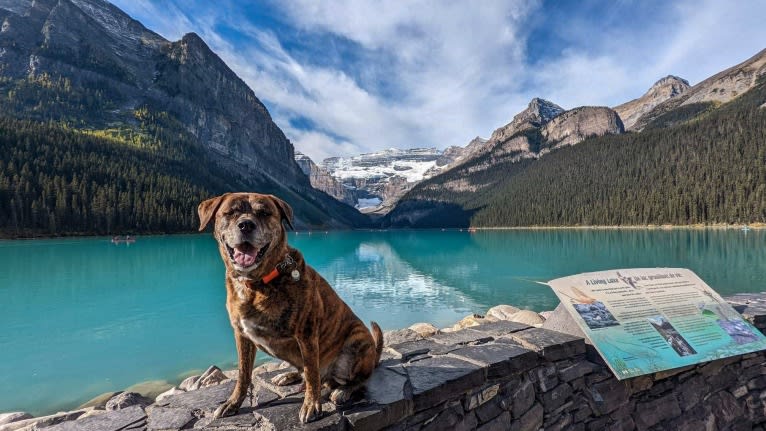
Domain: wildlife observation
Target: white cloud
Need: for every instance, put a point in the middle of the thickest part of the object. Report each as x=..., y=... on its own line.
x=612, y=67
x=712, y=36
x=165, y=18
x=437, y=73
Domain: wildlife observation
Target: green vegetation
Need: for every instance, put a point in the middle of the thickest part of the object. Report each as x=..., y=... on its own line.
x=57, y=181
x=680, y=115
x=74, y=162
x=711, y=169
x=43, y=98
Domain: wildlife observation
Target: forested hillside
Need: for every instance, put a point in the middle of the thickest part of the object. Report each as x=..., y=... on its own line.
x=59, y=181
x=55, y=180
x=704, y=166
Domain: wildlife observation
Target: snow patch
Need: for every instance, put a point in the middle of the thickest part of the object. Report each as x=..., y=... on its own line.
x=411, y=164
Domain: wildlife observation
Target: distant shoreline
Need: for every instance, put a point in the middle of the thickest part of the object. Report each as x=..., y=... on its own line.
x=717, y=226
x=700, y=226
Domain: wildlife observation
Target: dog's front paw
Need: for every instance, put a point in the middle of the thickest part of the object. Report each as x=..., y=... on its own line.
x=229, y=408
x=341, y=396
x=310, y=410
x=286, y=379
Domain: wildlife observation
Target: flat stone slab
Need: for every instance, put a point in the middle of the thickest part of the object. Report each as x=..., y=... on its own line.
x=501, y=327
x=550, y=345
x=164, y=418
x=400, y=336
x=577, y=370
x=264, y=379
x=283, y=415
x=463, y=336
x=439, y=378
x=131, y=417
x=207, y=398
x=410, y=349
x=386, y=401
x=499, y=359
x=386, y=386
x=261, y=397
x=245, y=421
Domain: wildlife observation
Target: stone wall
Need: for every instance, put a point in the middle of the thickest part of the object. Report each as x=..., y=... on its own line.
x=497, y=376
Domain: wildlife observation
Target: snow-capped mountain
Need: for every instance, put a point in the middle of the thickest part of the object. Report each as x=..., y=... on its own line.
x=380, y=178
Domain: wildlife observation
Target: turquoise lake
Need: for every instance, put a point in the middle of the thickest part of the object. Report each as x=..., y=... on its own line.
x=80, y=317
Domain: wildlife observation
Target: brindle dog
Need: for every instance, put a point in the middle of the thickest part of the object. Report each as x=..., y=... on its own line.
x=279, y=304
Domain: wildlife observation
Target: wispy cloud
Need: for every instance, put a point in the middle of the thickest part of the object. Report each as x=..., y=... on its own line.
x=351, y=76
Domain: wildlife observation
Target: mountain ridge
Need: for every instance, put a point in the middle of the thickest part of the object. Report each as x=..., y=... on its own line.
x=719, y=88
x=583, y=181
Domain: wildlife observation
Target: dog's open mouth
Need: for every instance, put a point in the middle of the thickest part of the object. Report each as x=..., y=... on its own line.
x=245, y=254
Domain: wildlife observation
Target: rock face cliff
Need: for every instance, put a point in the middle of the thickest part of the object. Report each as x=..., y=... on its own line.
x=324, y=181
x=91, y=46
x=576, y=125
x=662, y=90
x=92, y=42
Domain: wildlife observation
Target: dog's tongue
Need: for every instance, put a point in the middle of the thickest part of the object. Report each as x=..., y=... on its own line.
x=244, y=255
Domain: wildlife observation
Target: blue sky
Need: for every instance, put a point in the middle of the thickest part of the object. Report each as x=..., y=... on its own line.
x=343, y=77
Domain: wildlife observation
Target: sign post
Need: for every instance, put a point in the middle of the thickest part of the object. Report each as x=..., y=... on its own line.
x=647, y=320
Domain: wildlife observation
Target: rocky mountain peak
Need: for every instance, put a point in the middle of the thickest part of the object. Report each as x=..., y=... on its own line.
x=538, y=112
x=667, y=87
x=476, y=143
x=477, y=140
x=661, y=91
x=193, y=39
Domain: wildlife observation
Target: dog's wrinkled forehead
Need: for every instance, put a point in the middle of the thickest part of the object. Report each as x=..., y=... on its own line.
x=236, y=206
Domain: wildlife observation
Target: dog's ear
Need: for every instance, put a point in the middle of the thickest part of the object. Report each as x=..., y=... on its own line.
x=207, y=209
x=284, y=210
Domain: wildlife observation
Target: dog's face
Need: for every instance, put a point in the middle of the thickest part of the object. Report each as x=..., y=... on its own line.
x=248, y=228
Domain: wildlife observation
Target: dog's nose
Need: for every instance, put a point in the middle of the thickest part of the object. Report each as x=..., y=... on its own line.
x=246, y=226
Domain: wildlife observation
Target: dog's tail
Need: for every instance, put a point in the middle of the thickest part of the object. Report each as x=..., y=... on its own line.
x=377, y=337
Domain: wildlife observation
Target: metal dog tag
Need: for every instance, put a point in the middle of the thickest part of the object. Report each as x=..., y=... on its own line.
x=296, y=275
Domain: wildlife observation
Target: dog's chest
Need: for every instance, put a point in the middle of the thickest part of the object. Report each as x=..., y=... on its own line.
x=264, y=337
x=255, y=332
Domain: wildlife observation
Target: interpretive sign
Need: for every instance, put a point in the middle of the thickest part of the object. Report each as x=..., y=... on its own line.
x=643, y=321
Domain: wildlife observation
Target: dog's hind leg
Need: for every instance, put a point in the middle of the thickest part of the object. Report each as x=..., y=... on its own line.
x=286, y=379
x=356, y=363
